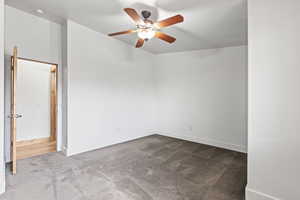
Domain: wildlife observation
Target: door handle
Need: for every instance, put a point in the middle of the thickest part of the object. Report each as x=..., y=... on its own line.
x=15, y=116
x=18, y=116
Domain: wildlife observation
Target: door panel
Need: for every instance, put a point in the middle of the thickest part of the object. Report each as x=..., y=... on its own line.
x=13, y=116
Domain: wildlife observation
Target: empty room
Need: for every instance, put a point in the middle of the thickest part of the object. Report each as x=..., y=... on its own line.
x=149, y=100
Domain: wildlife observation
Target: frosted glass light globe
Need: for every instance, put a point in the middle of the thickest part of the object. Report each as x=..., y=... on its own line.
x=146, y=34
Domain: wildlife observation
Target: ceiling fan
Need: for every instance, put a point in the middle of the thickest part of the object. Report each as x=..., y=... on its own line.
x=147, y=29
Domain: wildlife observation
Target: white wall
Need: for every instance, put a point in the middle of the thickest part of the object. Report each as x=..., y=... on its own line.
x=2, y=168
x=274, y=100
x=202, y=96
x=38, y=39
x=65, y=87
x=110, y=90
x=34, y=94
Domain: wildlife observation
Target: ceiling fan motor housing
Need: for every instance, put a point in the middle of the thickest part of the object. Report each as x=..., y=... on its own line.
x=146, y=14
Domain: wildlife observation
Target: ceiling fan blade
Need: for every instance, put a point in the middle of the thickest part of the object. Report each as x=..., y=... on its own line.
x=170, y=21
x=140, y=43
x=121, y=33
x=165, y=37
x=134, y=15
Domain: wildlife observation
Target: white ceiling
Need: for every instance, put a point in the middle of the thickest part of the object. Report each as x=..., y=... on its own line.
x=208, y=23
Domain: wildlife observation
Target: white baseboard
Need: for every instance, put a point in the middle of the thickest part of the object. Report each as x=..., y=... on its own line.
x=70, y=152
x=255, y=195
x=2, y=179
x=215, y=143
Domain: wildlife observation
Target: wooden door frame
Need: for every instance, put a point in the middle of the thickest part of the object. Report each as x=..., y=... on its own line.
x=53, y=107
x=13, y=113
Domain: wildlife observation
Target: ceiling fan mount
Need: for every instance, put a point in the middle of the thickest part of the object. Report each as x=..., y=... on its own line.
x=146, y=14
x=147, y=29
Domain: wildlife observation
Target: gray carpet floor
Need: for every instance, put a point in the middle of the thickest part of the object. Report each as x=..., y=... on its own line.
x=150, y=168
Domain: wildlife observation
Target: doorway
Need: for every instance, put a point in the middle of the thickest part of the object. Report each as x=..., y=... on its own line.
x=36, y=105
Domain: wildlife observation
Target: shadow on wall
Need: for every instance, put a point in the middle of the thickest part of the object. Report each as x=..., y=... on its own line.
x=7, y=93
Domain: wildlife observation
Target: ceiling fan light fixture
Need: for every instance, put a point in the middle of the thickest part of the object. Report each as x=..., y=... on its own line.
x=146, y=34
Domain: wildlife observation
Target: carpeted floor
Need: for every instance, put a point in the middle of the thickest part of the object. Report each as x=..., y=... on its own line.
x=151, y=168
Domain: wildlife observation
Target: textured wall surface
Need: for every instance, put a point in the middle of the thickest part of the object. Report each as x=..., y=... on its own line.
x=110, y=91
x=202, y=96
x=274, y=108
